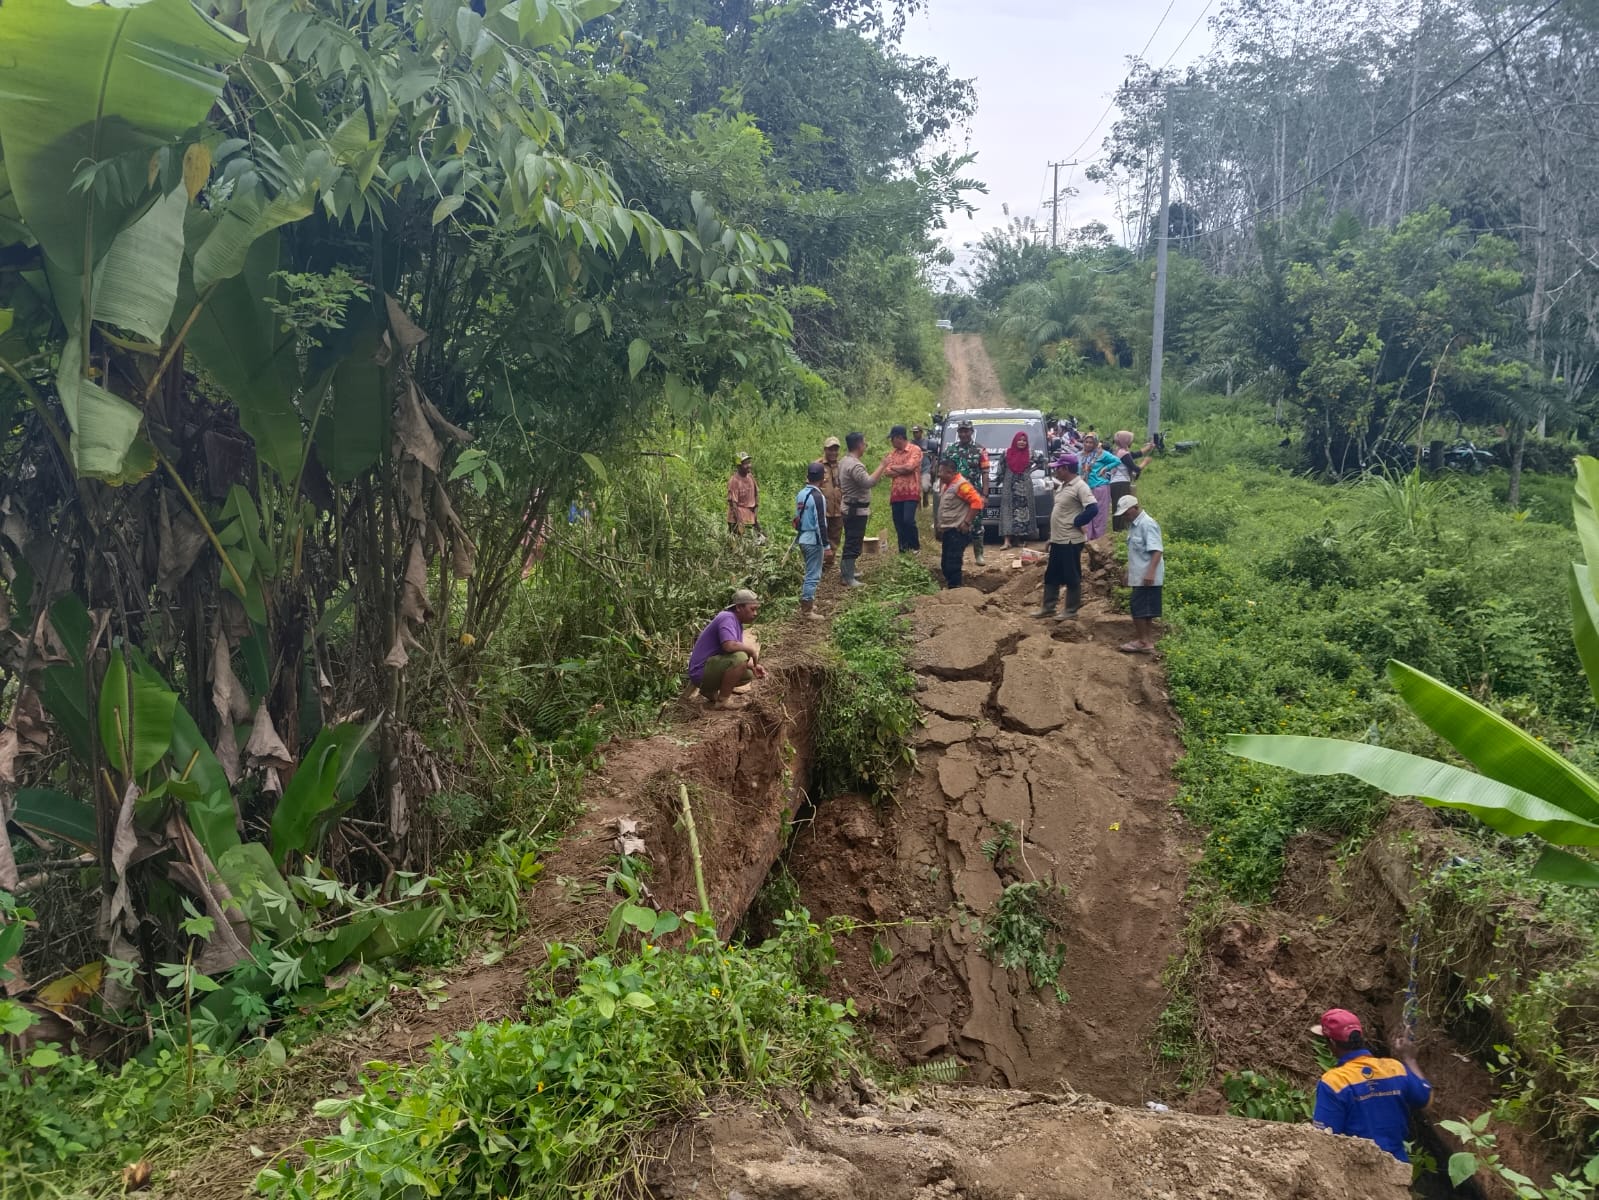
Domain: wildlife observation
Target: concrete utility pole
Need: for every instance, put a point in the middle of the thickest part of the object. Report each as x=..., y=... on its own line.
x=1157, y=350
x=1054, y=204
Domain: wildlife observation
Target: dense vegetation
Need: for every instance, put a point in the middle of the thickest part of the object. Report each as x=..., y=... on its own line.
x=369, y=378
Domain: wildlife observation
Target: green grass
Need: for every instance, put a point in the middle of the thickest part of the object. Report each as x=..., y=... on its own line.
x=868, y=708
x=557, y=1104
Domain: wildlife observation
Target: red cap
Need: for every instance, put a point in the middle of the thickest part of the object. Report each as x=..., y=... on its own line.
x=1337, y=1024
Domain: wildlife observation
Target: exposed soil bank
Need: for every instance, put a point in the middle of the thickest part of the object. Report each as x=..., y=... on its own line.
x=987, y=1145
x=1054, y=750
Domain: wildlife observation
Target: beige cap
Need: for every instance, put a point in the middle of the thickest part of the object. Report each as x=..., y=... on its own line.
x=745, y=596
x=831, y=443
x=1125, y=503
x=743, y=458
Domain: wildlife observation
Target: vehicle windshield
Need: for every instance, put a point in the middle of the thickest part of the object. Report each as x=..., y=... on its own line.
x=996, y=433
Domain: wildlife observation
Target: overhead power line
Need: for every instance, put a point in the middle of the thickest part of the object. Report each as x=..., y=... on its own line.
x=1187, y=35
x=1112, y=103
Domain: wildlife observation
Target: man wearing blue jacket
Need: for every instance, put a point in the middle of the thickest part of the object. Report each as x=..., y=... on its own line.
x=1366, y=1096
x=810, y=534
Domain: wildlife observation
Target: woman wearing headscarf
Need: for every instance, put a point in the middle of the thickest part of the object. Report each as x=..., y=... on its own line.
x=1126, y=473
x=1098, y=463
x=1017, y=520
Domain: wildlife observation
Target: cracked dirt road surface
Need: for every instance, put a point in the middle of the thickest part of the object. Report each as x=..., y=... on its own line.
x=1046, y=754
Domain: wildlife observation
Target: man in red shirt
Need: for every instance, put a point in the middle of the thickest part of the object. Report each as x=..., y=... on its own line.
x=904, y=466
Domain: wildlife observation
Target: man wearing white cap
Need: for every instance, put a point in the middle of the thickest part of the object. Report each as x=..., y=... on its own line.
x=723, y=658
x=1146, y=573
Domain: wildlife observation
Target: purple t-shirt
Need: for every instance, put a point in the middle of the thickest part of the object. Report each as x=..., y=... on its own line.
x=724, y=627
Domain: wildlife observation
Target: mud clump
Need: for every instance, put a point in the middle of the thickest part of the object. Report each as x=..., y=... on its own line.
x=992, y=1145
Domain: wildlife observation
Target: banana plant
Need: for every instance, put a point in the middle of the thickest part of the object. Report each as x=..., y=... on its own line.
x=1520, y=787
x=93, y=100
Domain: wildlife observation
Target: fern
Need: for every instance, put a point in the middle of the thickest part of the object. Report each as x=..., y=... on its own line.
x=947, y=1070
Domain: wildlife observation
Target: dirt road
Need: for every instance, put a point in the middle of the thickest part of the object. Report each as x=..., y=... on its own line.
x=1046, y=756
x=972, y=382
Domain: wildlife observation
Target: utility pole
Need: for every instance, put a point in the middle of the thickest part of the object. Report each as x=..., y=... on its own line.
x=1157, y=350
x=1054, y=204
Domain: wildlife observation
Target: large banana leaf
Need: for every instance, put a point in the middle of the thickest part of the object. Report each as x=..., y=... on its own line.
x=135, y=718
x=82, y=83
x=1583, y=510
x=1497, y=748
x=330, y=772
x=1584, y=599
x=1585, y=623
x=1557, y=866
x=1499, y=806
x=104, y=426
x=136, y=286
x=55, y=814
x=237, y=340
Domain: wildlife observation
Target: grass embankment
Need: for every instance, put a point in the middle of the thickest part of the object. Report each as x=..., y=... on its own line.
x=1286, y=597
x=593, y=645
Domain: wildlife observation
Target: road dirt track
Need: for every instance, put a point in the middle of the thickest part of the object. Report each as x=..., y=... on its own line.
x=1045, y=754
x=976, y=1144
x=972, y=382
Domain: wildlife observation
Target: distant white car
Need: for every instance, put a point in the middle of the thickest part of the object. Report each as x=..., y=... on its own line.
x=950, y=325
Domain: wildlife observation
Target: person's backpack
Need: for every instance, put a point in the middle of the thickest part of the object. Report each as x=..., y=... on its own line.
x=810, y=499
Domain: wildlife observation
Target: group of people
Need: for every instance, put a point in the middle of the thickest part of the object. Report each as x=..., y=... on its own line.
x=833, y=507
x=1093, y=493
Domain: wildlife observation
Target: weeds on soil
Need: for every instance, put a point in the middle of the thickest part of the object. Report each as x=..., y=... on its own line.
x=1266, y=1097
x=551, y=1106
x=868, y=708
x=1022, y=934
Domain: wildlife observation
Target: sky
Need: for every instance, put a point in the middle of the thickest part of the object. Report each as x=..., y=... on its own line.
x=1044, y=73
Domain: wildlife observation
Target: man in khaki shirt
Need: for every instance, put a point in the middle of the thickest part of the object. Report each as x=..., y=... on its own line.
x=1075, y=508
x=857, y=484
x=832, y=489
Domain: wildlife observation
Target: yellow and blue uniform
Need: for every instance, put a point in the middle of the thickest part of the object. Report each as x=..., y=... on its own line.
x=1369, y=1097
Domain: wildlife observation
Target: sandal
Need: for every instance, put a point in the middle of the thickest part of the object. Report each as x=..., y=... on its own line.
x=1134, y=648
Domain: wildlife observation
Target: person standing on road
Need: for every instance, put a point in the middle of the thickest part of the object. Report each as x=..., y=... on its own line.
x=959, y=504
x=1127, y=470
x=1366, y=1096
x=924, y=443
x=810, y=535
x=1146, y=573
x=904, y=465
x=857, y=484
x=1098, y=464
x=1075, y=507
x=1017, y=520
x=723, y=658
x=743, y=498
x=971, y=462
x=832, y=492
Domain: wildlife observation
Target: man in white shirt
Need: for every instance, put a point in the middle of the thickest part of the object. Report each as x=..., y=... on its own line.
x=1146, y=572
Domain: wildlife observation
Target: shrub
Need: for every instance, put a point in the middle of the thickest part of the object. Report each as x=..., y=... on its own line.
x=549, y=1107
x=868, y=710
